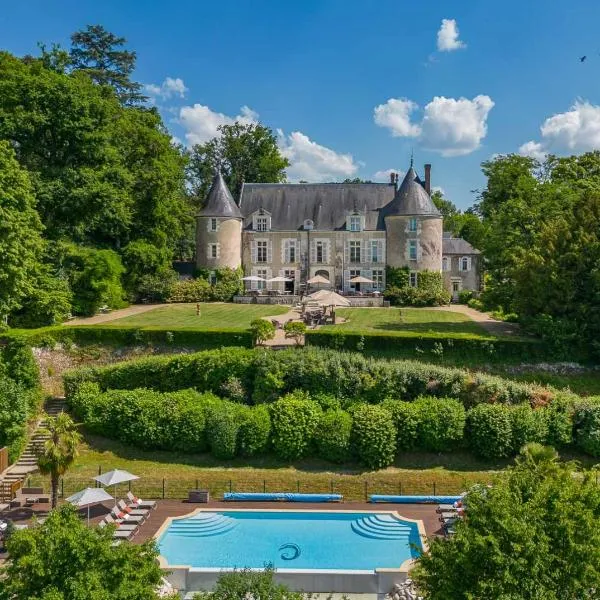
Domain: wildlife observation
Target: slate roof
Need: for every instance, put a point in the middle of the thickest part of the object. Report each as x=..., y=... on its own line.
x=457, y=246
x=220, y=202
x=411, y=199
x=326, y=204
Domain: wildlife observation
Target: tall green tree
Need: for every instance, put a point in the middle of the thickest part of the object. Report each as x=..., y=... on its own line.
x=101, y=55
x=532, y=536
x=63, y=559
x=243, y=152
x=59, y=451
x=20, y=233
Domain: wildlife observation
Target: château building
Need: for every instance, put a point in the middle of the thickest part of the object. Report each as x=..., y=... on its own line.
x=337, y=230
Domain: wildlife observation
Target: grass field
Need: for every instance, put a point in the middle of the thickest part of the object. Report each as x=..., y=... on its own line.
x=212, y=316
x=414, y=320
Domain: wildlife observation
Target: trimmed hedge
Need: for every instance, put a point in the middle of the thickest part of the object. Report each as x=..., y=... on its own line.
x=587, y=426
x=441, y=423
x=373, y=436
x=332, y=436
x=349, y=377
x=490, y=432
x=412, y=344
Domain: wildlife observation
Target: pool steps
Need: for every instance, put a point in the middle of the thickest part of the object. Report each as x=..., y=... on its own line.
x=202, y=525
x=382, y=527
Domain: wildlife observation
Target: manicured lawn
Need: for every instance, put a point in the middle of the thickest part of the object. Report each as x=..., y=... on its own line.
x=216, y=315
x=403, y=320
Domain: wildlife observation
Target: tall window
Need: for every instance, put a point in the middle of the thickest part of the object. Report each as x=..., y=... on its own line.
x=213, y=224
x=464, y=264
x=261, y=273
x=412, y=224
x=261, y=251
x=213, y=250
x=355, y=223
x=355, y=251
x=375, y=251
x=292, y=252
x=412, y=249
x=412, y=279
x=320, y=252
x=445, y=264
x=354, y=273
x=377, y=277
x=262, y=223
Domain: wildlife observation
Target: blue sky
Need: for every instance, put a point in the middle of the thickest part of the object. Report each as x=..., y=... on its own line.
x=351, y=86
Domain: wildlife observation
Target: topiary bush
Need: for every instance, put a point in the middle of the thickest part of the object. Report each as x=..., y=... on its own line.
x=406, y=422
x=255, y=429
x=528, y=425
x=294, y=421
x=441, y=423
x=489, y=429
x=587, y=426
x=373, y=436
x=223, y=425
x=332, y=436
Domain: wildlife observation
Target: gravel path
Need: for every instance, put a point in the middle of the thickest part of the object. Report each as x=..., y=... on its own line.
x=135, y=309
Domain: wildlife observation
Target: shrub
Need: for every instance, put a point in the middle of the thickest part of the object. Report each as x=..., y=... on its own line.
x=295, y=330
x=464, y=296
x=490, y=430
x=224, y=422
x=406, y=421
x=294, y=420
x=587, y=426
x=332, y=436
x=476, y=304
x=373, y=436
x=255, y=429
x=15, y=405
x=190, y=290
x=528, y=425
x=262, y=330
x=559, y=417
x=441, y=423
x=430, y=290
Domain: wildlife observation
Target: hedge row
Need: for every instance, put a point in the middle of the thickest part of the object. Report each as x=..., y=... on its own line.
x=434, y=345
x=297, y=425
x=255, y=376
x=131, y=336
x=19, y=395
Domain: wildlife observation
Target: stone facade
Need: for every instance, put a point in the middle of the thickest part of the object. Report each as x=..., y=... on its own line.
x=338, y=231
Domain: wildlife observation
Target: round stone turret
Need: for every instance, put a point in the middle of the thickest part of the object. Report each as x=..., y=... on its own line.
x=414, y=227
x=219, y=229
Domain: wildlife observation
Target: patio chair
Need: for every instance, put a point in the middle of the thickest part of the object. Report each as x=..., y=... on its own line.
x=108, y=520
x=121, y=517
x=140, y=512
x=139, y=503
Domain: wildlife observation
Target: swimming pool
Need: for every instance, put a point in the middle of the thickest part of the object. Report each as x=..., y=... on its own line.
x=296, y=540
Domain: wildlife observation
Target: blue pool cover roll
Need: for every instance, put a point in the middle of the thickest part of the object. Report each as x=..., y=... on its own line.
x=415, y=499
x=281, y=497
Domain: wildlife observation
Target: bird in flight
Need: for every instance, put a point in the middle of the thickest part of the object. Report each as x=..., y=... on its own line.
x=582, y=58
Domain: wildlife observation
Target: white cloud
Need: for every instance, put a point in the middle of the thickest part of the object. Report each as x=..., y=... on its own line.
x=438, y=188
x=384, y=175
x=447, y=36
x=533, y=149
x=167, y=89
x=395, y=115
x=576, y=130
x=201, y=123
x=312, y=162
x=450, y=126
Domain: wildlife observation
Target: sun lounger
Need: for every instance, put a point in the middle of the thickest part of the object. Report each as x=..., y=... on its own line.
x=139, y=503
x=445, y=507
x=448, y=515
x=108, y=519
x=121, y=517
x=139, y=512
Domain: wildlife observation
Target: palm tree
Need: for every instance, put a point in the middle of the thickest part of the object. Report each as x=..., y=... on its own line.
x=537, y=455
x=59, y=451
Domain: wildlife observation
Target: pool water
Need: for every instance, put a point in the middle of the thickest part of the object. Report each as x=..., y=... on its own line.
x=290, y=540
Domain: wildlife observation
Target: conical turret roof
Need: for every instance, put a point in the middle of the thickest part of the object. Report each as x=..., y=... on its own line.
x=220, y=202
x=411, y=199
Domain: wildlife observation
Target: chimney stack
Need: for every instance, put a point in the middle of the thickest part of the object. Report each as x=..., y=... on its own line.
x=392, y=178
x=428, y=178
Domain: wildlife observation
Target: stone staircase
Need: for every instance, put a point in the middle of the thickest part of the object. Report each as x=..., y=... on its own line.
x=27, y=462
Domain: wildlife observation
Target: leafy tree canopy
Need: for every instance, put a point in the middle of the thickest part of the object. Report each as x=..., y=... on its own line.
x=63, y=559
x=243, y=152
x=532, y=536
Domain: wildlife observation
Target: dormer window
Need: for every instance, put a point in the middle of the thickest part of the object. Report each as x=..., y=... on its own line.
x=262, y=223
x=308, y=224
x=355, y=223
x=412, y=224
